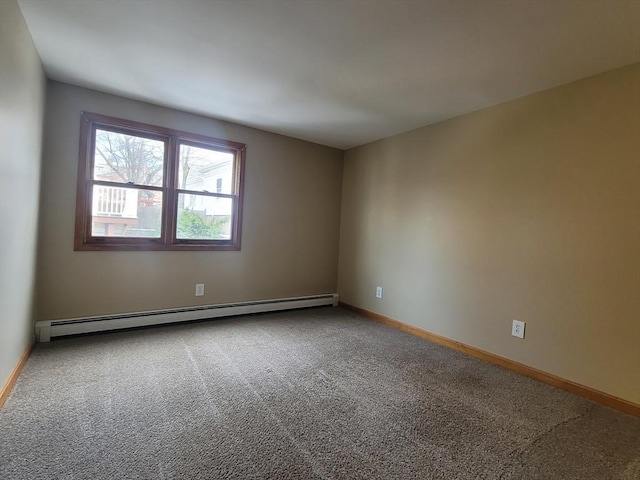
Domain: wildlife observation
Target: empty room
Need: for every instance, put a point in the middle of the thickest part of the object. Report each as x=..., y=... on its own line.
x=320, y=239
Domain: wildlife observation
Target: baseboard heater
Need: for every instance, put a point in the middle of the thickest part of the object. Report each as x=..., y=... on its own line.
x=47, y=329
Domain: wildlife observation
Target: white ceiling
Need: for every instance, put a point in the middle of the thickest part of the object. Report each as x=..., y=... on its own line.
x=335, y=72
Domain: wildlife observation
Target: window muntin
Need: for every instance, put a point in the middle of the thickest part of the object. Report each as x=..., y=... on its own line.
x=142, y=187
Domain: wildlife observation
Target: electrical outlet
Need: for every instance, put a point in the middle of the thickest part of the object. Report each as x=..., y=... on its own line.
x=378, y=292
x=199, y=289
x=517, y=329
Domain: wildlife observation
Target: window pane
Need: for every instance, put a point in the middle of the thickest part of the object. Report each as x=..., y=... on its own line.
x=126, y=212
x=203, y=169
x=203, y=217
x=127, y=158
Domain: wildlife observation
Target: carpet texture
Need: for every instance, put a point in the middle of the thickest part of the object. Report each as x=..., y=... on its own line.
x=311, y=394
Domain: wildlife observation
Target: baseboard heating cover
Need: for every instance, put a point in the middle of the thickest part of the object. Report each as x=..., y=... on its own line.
x=47, y=329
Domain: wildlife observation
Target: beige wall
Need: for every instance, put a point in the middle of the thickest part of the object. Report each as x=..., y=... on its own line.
x=528, y=210
x=22, y=91
x=290, y=225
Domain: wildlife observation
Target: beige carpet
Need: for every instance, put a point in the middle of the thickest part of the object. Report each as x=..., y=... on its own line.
x=311, y=394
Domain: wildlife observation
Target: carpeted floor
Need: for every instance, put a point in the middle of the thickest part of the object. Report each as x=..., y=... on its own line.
x=311, y=394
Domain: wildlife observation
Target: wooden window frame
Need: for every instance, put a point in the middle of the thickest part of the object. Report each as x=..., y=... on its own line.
x=85, y=240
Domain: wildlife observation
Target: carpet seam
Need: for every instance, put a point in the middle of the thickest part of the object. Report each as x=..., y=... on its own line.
x=519, y=452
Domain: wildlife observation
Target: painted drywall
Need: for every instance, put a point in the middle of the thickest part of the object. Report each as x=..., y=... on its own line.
x=290, y=227
x=22, y=98
x=528, y=210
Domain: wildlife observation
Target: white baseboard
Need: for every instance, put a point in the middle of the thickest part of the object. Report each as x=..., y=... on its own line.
x=47, y=329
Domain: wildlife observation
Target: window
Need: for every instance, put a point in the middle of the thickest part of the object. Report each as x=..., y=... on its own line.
x=142, y=187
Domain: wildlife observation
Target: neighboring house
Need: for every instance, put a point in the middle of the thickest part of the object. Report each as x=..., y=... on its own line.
x=115, y=210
